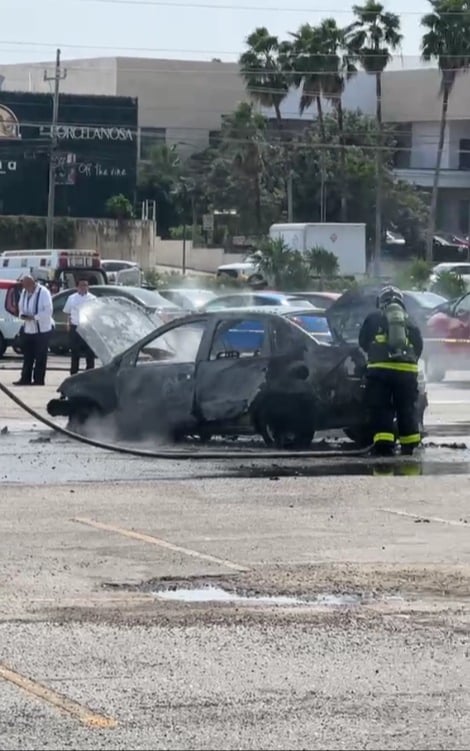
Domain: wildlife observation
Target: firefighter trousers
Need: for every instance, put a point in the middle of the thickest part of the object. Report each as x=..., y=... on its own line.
x=389, y=395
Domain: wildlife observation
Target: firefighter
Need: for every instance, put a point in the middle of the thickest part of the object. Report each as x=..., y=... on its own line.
x=393, y=344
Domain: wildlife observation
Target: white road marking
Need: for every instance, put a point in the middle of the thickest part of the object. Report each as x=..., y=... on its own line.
x=161, y=543
x=424, y=516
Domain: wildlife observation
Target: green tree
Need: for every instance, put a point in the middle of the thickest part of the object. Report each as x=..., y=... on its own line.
x=370, y=40
x=303, y=58
x=157, y=181
x=263, y=72
x=446, y=40
x=337, y=68
x=282, y=267
x=322, y=262
x=245, y=171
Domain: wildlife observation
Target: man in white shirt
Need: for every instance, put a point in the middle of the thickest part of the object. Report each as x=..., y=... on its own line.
x=35, y=310
x=78, y=347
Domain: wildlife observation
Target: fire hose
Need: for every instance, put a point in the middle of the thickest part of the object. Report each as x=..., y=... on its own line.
x=177, y=454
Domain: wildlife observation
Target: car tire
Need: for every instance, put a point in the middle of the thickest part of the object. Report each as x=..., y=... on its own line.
x=3, y=345
x=58, y=350
x=363, y=437
x=435, y=373
x=78, y=419
x=289, y=427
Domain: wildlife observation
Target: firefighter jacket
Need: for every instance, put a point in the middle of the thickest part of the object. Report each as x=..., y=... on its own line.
x=373, y=339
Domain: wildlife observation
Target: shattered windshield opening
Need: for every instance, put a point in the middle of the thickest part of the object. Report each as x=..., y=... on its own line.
x=111, y=325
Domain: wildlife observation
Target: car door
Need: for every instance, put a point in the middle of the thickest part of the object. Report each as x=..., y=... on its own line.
x=233, y=368
x=155, y=384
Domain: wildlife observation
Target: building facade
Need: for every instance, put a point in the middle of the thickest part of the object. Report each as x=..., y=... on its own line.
x=96, y=155
x=182, y=102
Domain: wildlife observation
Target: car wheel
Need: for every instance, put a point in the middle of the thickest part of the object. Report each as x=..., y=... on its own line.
x=58, y=350
x=16, y=347
x=435, y=373
x=80, y=415
x=361, y=436
x=286, y=431
x=3, y=345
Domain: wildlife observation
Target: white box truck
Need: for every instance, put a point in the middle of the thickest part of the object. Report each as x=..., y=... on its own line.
x=346, y=241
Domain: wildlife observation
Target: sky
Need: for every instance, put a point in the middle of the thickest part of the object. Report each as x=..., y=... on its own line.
x=192, y=30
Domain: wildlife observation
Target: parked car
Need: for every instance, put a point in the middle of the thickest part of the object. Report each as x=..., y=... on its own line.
x=188, y=298
x=10, y=324
x=321, y=300
x=311, y=320
x=448, y=346
x=201, y=376
x=244, y=271
x=149, y=299
x=123, y=272
x=253, y=300
x=347, y=314
x=460, y=269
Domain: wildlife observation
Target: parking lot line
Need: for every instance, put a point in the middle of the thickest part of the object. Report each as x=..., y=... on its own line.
x=424, y=516
x=161, y=543
x=64, y=704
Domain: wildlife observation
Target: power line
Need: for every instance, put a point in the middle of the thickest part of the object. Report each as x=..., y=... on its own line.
x=72, y=45
x=227, y=6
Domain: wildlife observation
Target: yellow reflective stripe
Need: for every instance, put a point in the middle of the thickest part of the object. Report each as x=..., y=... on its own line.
x=405, y=440
x=403, y=367
x=381, y=338
x=389, y=437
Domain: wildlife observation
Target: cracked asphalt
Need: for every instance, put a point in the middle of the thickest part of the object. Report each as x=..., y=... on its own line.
x=91, y=658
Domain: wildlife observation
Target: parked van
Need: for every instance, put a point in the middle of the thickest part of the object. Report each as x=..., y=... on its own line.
x=63, y=266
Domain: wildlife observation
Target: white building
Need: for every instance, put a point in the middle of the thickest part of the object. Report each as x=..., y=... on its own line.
x=182, y=101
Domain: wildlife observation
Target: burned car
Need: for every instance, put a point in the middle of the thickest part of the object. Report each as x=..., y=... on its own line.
x=224, y=373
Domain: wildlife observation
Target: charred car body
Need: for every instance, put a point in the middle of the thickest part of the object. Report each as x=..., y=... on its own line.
x=225, y=373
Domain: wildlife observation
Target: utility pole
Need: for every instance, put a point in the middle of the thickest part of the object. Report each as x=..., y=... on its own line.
x=58, y=76
x=290, y=201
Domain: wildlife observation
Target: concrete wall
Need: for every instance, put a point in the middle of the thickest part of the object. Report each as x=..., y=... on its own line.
x=170, y=253
x=414, y=96
x=424, y=141
x=131, y=241
x=187, y=97
x=93, y=76
x=359, y=94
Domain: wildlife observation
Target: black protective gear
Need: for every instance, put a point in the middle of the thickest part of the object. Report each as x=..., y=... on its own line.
x=389, y=295
x=390, y=394
x=392, y=383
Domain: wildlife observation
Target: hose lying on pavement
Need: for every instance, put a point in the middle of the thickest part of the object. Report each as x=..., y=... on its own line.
x=180, y=454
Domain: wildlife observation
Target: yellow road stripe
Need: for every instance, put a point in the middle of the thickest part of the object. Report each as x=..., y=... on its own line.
x=161, y=543
x=73, y=708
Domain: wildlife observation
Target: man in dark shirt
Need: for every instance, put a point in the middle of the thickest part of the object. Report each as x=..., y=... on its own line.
x=393, y=344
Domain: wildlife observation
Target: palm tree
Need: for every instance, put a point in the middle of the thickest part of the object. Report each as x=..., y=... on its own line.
x=262, y=70
x=303, y=58
x=446, y=40
x=337, y=68
x=370, y=41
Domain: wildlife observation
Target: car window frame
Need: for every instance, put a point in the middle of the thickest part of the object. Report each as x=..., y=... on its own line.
x=266, y=349
x=129, y=358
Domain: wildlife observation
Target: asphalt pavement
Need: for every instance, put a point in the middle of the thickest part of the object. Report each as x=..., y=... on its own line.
x=317, y=605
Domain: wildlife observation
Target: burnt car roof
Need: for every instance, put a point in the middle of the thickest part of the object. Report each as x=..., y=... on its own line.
x=106, y=324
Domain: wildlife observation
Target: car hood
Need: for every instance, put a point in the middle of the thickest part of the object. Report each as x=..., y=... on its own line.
x=346, y=315
x=113, y=324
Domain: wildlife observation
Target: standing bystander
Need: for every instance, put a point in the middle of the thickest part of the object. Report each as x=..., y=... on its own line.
x=35, y=310
x=78, y=347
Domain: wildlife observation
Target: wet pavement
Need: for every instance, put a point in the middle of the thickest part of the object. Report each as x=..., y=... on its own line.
x=147, y=603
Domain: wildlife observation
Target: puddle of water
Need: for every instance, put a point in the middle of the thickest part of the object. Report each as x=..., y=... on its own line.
x=217, y=594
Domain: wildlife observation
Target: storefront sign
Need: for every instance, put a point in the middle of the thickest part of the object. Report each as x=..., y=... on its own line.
x=85, y=133
x=6, y=166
